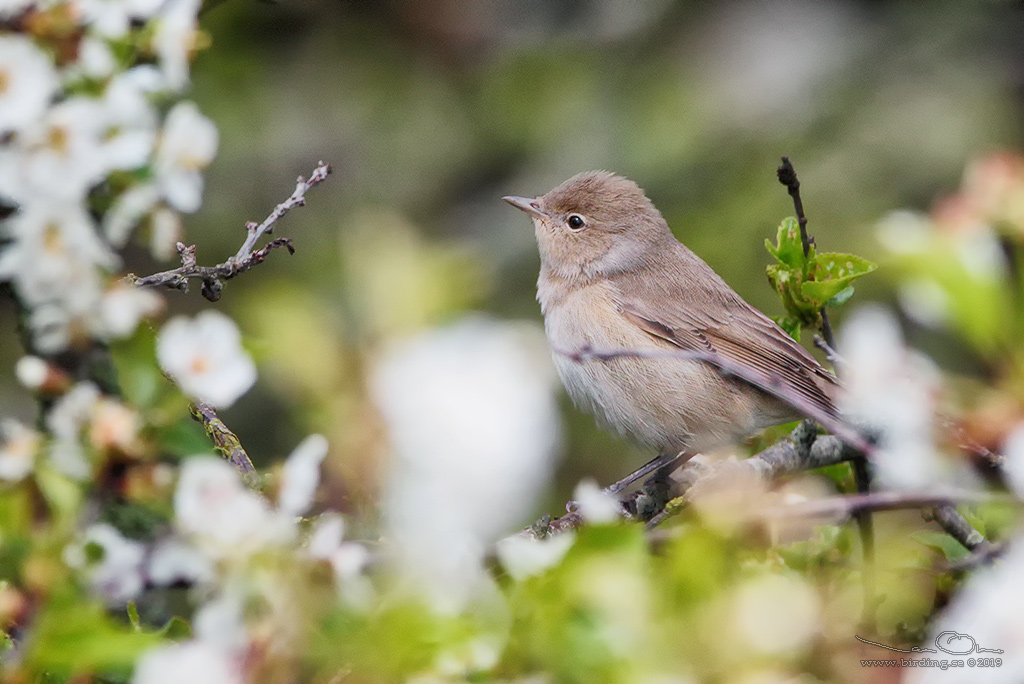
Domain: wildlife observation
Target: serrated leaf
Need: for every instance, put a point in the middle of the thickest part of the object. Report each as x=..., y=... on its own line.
x=831, y=274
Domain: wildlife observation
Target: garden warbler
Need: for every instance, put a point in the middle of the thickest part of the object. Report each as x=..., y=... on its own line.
x=614, y=278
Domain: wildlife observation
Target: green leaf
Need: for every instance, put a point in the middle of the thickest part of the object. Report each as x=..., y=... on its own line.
x=790, y=249
x=76, y=636
x=831, y=273
x=133, y=616
x=176, y=628
x=841, y=298
x=950, y=548
x=790, y=325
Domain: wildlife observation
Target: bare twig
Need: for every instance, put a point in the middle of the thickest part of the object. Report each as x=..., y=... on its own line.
x=246, y=257
x=851, y=504
x=771, y=385
x=226, y=442
x=787, y=176
x=957, y=527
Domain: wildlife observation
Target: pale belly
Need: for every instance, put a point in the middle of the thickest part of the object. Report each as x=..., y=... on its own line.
x=670, y=404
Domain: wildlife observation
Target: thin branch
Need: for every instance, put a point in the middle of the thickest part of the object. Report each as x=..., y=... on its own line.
x=957, y=527
x=771, y=385
x=226, y=442
x=848, y=506
x=247, y=255
x=787, y=176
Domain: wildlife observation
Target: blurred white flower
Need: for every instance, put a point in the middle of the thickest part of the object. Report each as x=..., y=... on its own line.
x=193, y=661
x=28, y=81
x=127, y=210
x=66, y=143
x=301, y=475
x=215, y=510
x=471, y=413
x=187, y=145
x=775, y=614
x=31, y=372
x=175, y=560
x=595, y=505
x=18, y=450
x=204, y=355
x=905, y=232
x=129, y=120
x=175, y=39
x=220, y=621
x=892, y=390
x=67, y=421
x=1013, y=466
x=347, y=559
x=52, y=260
x=986, y=611
x=95, y=59
x=112, y=563
x=122, y=307
x=112, y=18
x=10, y=8
x=165, y=232
x=523, y=556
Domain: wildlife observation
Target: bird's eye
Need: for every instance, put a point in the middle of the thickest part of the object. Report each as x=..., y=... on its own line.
x=575, y=222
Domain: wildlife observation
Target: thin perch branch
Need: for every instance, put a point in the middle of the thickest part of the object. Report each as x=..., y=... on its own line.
x=226, y=442
x=246, y=257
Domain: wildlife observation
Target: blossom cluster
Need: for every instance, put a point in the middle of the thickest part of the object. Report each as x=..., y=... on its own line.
x=95, y=142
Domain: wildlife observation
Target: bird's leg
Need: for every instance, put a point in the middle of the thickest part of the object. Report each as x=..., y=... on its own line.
x=656, y=492
x=667, y=462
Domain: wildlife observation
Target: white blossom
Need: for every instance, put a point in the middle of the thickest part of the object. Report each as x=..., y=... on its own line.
x=220, y=515
x=204, y=355
x=67, y=421
x=58, y=156
x=985, y=613
x=52, y=260
x=122, y=307
x=18, y=450
x=175, y=560
x=192, y=661
x=116, y=575
x=112, y=18
x=347, y=559
x=129, y=120
x=127, y=210
x=523, y=556
x=893, y=391
x=174, y=40
x=187, y=146
x=301, y=475
x=471, y=413
x=596, y=505
x=28, y=81
x=775, y=614
x=95, y=59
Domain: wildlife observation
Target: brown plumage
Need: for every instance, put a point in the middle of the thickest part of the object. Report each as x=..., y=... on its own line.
x=614, y=277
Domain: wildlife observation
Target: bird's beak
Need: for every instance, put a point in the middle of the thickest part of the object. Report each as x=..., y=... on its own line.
x=530, y=206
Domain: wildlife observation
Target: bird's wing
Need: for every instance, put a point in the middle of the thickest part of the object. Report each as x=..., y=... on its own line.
x=693, y=315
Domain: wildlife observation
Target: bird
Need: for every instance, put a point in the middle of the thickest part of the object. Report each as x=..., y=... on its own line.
x=695, y=367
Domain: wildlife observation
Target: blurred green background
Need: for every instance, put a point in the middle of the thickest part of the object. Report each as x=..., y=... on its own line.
x=431, y=110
